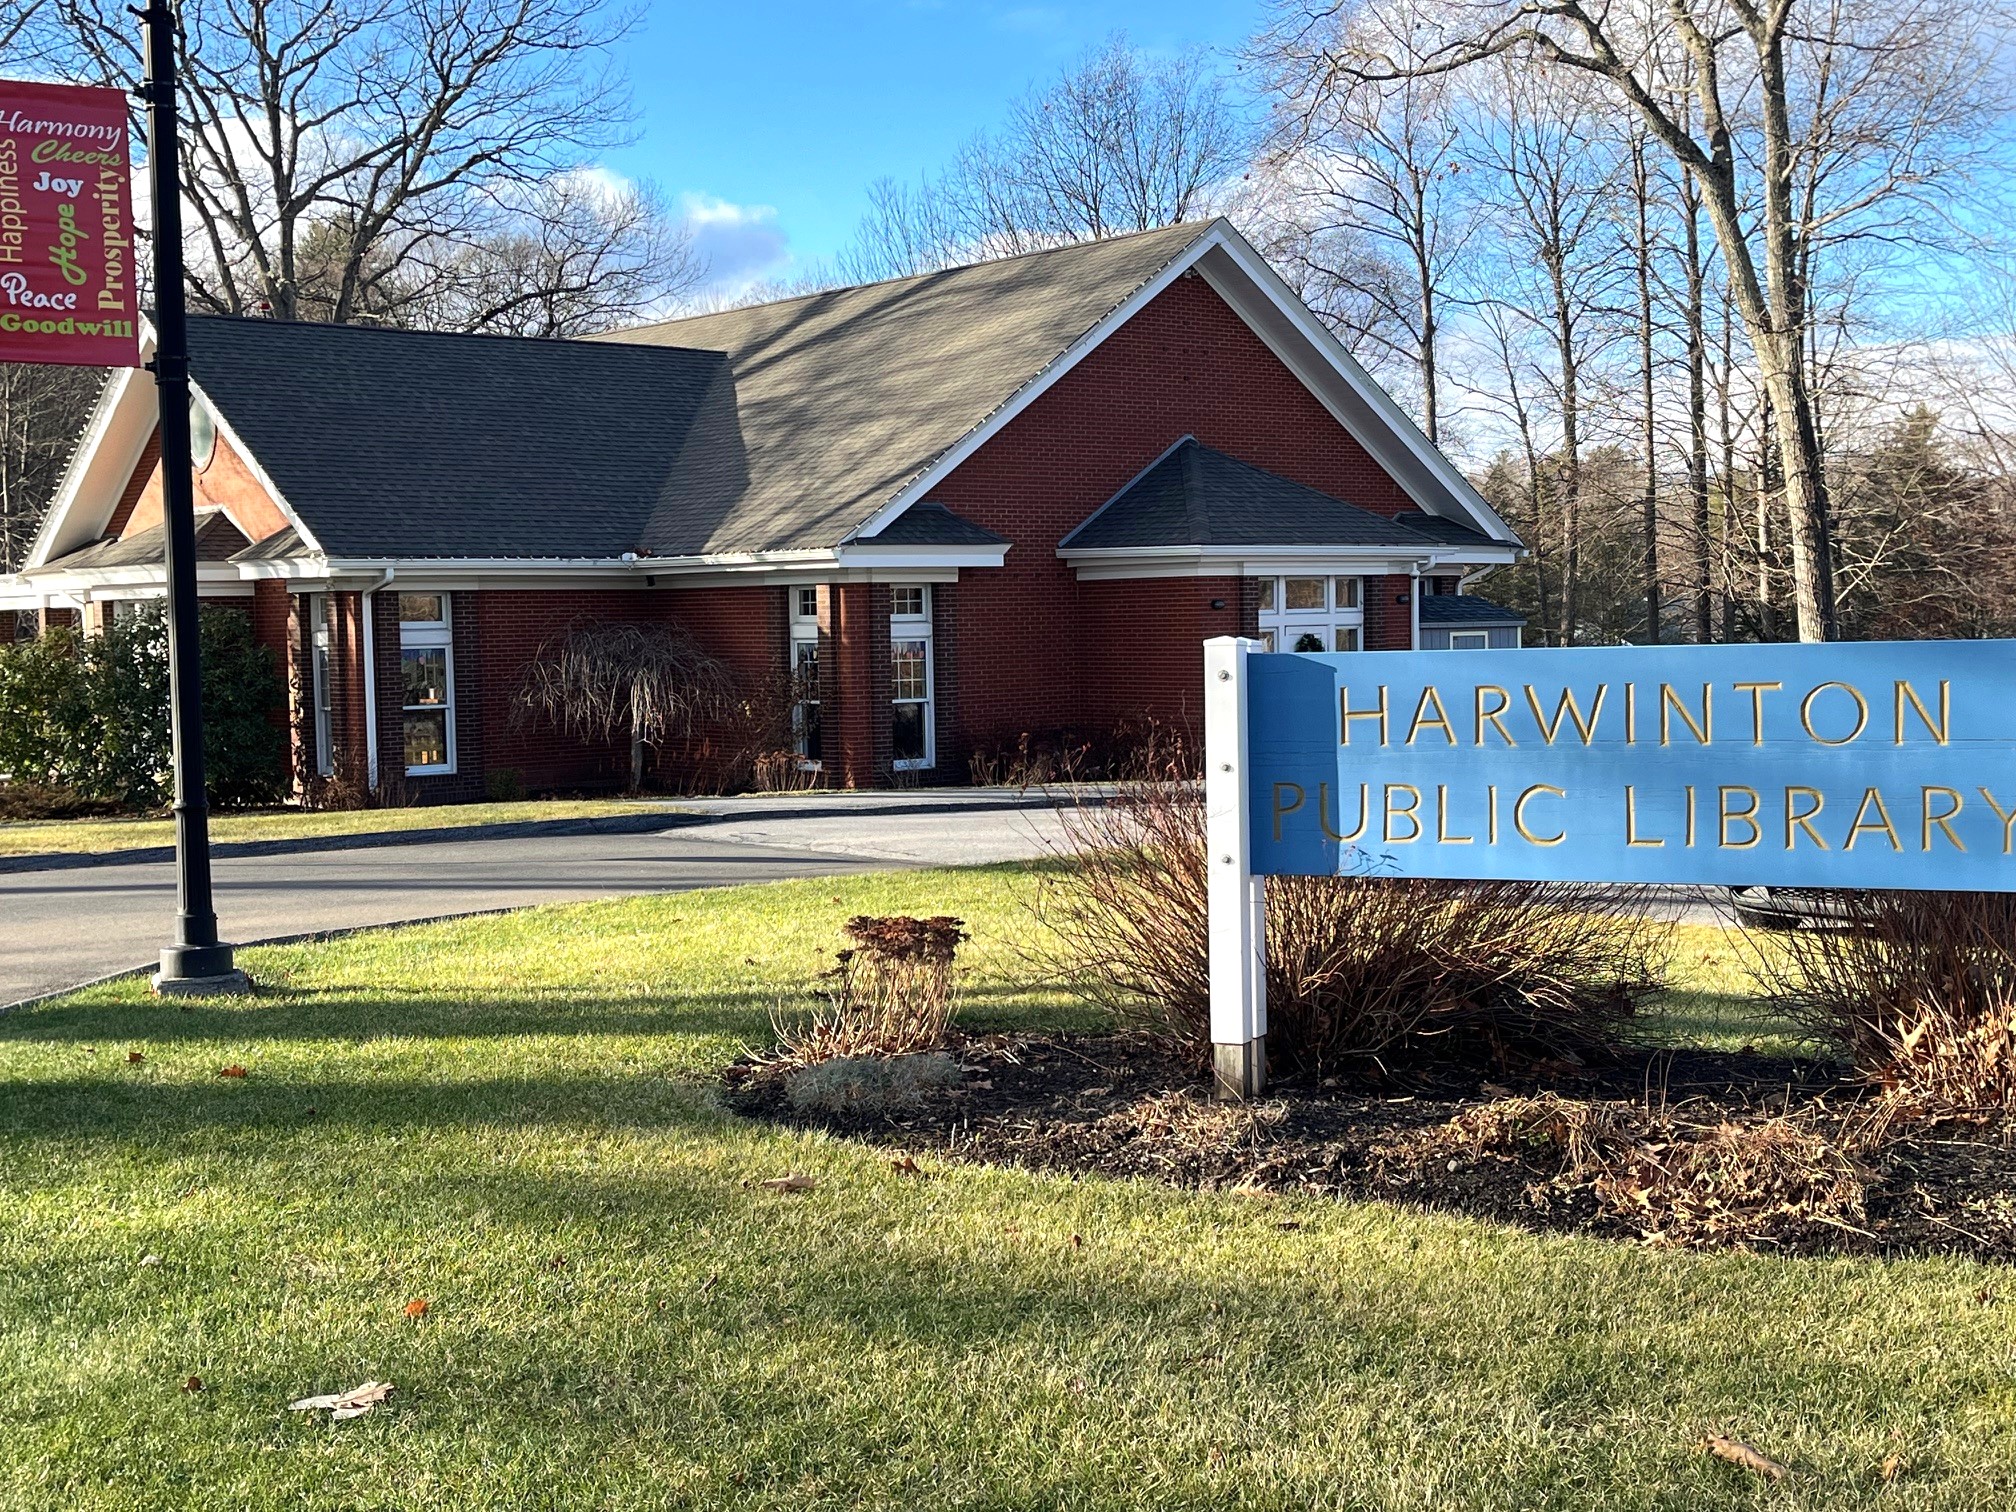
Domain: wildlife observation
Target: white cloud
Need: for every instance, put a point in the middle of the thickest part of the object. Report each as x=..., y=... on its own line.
x=742, y=245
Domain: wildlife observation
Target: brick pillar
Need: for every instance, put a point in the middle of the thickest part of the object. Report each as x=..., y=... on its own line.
x=272, y=606
x=1389, y=613
x=850, y=718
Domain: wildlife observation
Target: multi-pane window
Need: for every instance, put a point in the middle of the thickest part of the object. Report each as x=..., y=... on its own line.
x=427, y=680
x=320, y=636
x=912, y=735
x=1469, y=640
x=805, y=730
x=1312, y=613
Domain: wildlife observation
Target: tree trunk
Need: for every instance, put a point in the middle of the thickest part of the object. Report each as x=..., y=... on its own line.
x=1641, y=190
x=636, y=741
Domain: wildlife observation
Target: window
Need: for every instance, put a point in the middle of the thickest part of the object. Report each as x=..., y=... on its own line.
x=805, y=730
x=1312, y=614
x=321, y=637
x=1469, y=640
x=427, y=677
x=912, y=733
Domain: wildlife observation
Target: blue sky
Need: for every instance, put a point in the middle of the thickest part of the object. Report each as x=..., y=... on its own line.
x=770, y=119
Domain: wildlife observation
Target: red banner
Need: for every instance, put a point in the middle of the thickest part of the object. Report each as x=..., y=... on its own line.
x=67, y=259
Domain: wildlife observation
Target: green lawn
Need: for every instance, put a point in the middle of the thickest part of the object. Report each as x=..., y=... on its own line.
x=510, y=1117
x=94, y=836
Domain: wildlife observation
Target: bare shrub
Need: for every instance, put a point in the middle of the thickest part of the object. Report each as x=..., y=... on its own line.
x=890, y=994
x=1917, y=988
x=1357, y=968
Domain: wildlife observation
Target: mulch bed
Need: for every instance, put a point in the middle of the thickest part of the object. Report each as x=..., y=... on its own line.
x=1689, y=1148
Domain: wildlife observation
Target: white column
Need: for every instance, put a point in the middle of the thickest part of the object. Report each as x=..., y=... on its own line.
x=1235, y=897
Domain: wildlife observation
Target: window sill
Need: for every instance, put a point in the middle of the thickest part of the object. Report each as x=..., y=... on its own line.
x=430, y=771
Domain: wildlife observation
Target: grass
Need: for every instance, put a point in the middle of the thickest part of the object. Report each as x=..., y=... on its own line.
x=96, y=836
x=510, y=1118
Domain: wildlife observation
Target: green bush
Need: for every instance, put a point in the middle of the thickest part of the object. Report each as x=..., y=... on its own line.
x=89, y=714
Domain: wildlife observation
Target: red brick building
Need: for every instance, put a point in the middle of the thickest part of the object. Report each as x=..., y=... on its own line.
x=948, y=510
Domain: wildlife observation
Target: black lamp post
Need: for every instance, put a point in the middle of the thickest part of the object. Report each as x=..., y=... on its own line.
x=197, y=962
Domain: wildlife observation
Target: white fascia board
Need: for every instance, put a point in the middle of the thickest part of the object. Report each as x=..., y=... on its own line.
x=1243, y=278
x=114, y=438
x=1023, y=397
x=1117, y=563
x=858, y=555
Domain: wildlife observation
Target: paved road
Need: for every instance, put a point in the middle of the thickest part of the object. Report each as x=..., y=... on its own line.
x=59, y=928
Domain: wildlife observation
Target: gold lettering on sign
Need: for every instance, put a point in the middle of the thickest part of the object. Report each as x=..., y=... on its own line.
x=2008, y=819
x=1670, y=702
x=1566, y=706
x=1346, y=713
x=1439, y=721
x=1631, y=821
x=1940, y=729
x=1491, y=716
x=1802, y=819
x=1690, y=816
x=1630, y=713
x=1364, y=813
x=1942, y=819
x=1519, y=815
x=1491, y=830
x=1861, y=714
x=1442, y=835
x=1757, y=692
x=1746, y=816
x=1411, y=812
x=1880, y=825
x=1281, y=808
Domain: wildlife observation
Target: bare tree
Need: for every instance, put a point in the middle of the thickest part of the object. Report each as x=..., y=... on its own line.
x=1373, y=164
x=1809, y=120
x=42, y=411
x=1121, y=141
x=604, y=678
x=341, y=157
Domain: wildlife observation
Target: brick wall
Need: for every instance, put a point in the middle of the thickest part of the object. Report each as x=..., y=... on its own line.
x=1041, y=650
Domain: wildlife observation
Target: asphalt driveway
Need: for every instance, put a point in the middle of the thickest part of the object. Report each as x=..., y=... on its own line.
x=75, y=923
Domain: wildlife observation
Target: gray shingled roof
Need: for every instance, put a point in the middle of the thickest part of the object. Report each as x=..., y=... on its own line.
x=1445, y=532
x=1194, y=496
x=928, y=524
x=417, y=444
x=217, y=540
x=1465, y=609
x=845, y=398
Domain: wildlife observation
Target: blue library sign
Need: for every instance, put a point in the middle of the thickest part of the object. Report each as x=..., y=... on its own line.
x=1887, y=764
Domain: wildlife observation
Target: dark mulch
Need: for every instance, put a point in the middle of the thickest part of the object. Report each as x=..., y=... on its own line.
x=1124, y=1105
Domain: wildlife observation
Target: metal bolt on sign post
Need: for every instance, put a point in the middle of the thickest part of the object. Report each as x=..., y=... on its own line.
x=197, y=963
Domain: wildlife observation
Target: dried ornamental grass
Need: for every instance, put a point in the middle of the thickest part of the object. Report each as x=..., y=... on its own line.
x=1918, y=989
x=890, y=994
x=1357, y=968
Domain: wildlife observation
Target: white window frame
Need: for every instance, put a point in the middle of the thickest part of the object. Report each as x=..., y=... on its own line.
x=804, y=631
x=321, y=647
x=427, y=635
x=916, y=627
x=1280, y=625
x=1469, y=640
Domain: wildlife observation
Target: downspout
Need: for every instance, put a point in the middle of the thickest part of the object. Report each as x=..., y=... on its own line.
x=1414, y=611
x=371, y=679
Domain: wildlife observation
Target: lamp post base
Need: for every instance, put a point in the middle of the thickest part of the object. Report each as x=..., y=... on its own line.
x=199, y=971
x=1239, y=1072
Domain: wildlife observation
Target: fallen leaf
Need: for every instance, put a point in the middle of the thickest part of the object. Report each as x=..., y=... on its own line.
x=134, y=1057
x=906, y=1165
x=417, y=1308
x=1739, y=1453
x=1893, y=1467
x=195, y=1383
x=146, y=1260
x=1077, y=1241
x=1216, y=1457
x=558, y=1262
x=235, y=1072
x=1289, y=1223
x=343, y=1405
x=791, y=1183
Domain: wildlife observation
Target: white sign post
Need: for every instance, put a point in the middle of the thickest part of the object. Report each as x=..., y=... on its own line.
x=1235, y=897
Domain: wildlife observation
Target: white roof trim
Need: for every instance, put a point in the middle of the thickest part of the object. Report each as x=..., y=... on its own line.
x=1242, y=277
